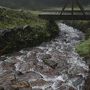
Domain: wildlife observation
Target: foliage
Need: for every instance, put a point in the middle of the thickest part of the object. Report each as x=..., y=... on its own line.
x=11, y=18
x=21, y=29
x=84, y=48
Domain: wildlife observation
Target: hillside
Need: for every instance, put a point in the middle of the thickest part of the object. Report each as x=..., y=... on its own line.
x=20, y=29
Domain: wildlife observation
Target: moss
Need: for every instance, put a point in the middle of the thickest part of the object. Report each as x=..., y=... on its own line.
x=82, y=25
x=24, y=30
x=87, y=33
x=84, y=48
x=52, y=28
x=11, y=18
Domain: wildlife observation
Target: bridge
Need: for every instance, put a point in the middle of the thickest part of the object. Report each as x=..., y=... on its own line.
x=70, y=14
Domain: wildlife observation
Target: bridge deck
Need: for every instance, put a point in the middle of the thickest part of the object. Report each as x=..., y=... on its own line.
x=67, y=15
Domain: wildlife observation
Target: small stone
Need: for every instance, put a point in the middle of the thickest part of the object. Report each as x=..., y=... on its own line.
x=15, y=89
x=65, y=88
x=39, y=82
x=50, y=63
x=12, y=88
x=71, y=88
x=49, y=88
x=87, y=83
x=47, y=56
x=2, y=58
x=26, y=27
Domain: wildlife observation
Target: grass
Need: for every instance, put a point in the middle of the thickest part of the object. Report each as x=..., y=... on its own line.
x=11, y=18
x=84, y=48
x=16, y=36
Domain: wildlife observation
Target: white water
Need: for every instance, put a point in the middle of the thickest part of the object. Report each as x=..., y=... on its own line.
x=71, y=71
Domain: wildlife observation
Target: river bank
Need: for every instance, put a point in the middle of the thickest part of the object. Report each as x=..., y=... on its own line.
x=84, y=47
x=21, y=29
x=84, y=50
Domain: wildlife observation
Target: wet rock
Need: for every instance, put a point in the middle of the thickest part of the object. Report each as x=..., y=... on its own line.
x=37, y=50
x=30, y=76
x=50, y=71
x=87, y=82
x=49, y=88
x=27, y=27
x=18, y=28
x=58, y=84
x=6, y=78
x=71, y=88
x=19, y=73
x=22, y=67
x=38, y=68
x=87, y=61
x=8, y=66
x=39, y=82
x=37, y=89
x=2, y=58
x=24, y=36
x=1, y=88
x=66, y=88
x=12, y=60
x=78, y=81
x=50, y=63
x=76, y=71
x=4, y=32
x=62, y=66
x=22, y=85
x=12, y=88
x=46, y=56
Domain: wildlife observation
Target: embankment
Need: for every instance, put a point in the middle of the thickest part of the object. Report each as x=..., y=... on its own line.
x=21, y=29
x=84, y=47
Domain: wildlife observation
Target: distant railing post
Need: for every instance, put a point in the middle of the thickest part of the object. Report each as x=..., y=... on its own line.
x=80, y=6
x=72, y=7
x=65, y=5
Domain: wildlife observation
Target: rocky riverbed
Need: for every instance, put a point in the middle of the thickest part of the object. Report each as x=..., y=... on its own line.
x=53, y=65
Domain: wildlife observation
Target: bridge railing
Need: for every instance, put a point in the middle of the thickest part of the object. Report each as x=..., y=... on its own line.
x=67, y=12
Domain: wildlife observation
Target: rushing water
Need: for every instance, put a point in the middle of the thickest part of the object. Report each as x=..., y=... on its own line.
x=67, y=72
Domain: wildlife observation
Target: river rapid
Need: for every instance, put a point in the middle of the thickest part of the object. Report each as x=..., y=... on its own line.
x=53, y=65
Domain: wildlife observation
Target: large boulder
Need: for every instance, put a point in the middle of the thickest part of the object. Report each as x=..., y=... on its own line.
x=13, y=39
x=26, y=36
x=50, y=63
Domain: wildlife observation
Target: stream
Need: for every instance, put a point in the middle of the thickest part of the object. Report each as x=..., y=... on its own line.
x=53, y=65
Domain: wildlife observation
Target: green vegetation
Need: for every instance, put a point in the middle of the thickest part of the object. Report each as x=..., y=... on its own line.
x=11, y=18
x=84, y=47
x=21, y=29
